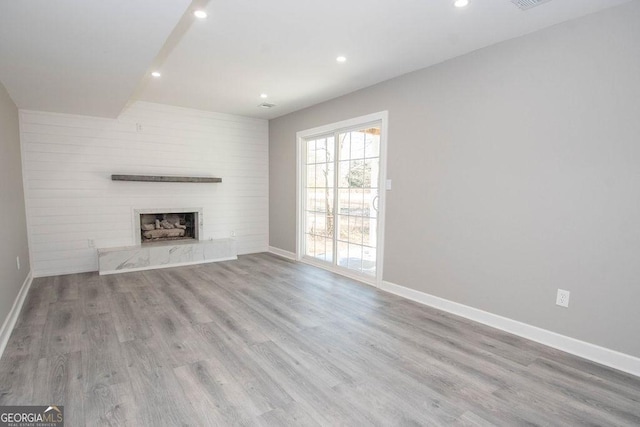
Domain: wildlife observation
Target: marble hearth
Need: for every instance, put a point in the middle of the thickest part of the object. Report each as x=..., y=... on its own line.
x=165, y=254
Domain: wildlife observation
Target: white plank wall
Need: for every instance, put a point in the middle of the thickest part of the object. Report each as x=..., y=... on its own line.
x=68, y=161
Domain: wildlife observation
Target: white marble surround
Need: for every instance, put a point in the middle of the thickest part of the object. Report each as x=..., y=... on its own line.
x=165, y=254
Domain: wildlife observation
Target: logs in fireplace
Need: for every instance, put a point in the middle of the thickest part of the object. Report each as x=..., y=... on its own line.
x=158, y=227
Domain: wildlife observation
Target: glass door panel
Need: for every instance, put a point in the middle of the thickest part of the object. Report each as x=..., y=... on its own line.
x=358, y=174
x=341, y=175
x=319, y=198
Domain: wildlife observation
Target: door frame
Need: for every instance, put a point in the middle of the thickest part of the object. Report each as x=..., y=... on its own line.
x=381, y=117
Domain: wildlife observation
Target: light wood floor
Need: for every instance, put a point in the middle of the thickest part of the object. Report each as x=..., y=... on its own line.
x=264, y=341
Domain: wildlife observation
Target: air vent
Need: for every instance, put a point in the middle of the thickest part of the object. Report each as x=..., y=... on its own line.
x=266, y=105
x=528, y=4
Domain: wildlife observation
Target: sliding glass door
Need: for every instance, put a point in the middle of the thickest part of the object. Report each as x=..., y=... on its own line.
x=341, y=198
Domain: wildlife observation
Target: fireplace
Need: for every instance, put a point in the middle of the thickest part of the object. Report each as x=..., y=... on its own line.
x=165, y=225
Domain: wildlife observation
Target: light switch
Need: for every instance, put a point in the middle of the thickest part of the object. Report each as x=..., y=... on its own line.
x=388, y=184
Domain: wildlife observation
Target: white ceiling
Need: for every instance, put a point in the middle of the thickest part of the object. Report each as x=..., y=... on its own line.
x=81, y=56
x=92, y=56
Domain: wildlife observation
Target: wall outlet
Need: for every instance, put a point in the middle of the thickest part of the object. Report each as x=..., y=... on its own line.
x=233, y=234
x=138, y=127
x=91, y=243
x=18, y=262
x=562, y=299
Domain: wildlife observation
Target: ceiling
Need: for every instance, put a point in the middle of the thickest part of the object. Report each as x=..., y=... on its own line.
x=93, y=56
x=81, y=56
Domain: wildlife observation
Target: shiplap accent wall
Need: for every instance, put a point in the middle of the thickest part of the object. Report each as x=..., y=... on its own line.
x=71, y=200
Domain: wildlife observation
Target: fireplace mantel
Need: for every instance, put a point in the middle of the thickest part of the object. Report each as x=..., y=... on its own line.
x=164, y=178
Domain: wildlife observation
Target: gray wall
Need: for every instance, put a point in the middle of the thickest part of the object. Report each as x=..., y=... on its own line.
x=516, y=171
x=13, y=231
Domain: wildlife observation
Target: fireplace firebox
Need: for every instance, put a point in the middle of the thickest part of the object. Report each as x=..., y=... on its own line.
x=167, y=226
x=160, y=225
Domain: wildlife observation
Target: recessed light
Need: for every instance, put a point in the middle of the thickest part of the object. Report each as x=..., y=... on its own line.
x=341, y=59
x=200, y=14
x=263, y=95
x=156, y=74
x=461, y=3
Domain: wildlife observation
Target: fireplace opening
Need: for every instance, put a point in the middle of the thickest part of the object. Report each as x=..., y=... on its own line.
x=158, y=227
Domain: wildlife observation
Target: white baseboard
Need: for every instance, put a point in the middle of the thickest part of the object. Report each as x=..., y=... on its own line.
x=595, y=353
x=12, y=317
x=49, y=273
x=283, y=253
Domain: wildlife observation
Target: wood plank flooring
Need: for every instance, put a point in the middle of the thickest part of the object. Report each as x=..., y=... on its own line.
x=265, y=341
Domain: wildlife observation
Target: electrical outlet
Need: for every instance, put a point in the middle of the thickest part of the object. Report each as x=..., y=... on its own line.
x=91, y=243
x=233, y=234
x=562, y=299
x=138, y=127
x=18, y=262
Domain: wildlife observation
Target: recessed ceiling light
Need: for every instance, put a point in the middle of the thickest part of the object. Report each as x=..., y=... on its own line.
x=461, y=3
x=341, y=58
x=200, y=14
x=263, y=95
x=156, y=74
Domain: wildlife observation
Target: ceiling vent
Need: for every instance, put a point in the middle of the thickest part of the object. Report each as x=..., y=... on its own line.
x=528, y=4
x=266, y=105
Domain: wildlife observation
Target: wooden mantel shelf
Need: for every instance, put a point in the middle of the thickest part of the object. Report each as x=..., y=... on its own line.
x=164, y=178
